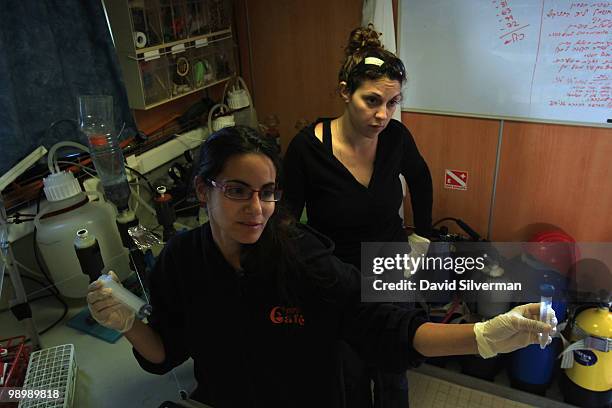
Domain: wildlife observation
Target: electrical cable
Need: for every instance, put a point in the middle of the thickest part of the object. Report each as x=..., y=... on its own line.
x=18, y=214
x=42, y=284
x=139, y=181
x=17, y=219
x=52, y=325
x=121, y=131
x=52, y=287
x=35, y=248
x=135, y=209
x=466, y=228
x=25, y=268
x=143, y=202
x=64, y=313
x=139, y=174
x=34, y=299
x=444, y=219
x=191, y=207
x=86, y=169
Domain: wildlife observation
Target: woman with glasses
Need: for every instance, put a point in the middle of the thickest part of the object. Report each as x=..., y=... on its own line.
x=346, y=170
x=259, y=301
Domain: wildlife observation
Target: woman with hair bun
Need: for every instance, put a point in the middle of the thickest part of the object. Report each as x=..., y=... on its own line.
x=345, y=171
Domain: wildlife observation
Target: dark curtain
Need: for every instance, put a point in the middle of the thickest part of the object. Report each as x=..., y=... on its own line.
x=51, y=51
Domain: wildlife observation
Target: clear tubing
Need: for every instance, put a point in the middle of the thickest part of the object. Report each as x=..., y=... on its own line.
x=52, y=161
x=138, y=306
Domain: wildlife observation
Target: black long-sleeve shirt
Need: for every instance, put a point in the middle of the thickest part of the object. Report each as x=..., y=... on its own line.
x=250, y=349
x=343, y=209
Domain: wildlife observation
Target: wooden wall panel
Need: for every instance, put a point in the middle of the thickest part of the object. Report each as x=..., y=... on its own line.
x=241, y=32
x=297, y=49
x=554, y=176
x=449, y=142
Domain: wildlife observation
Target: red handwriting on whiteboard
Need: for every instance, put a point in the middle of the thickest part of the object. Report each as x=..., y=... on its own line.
x=510, y=28
x=580, y=38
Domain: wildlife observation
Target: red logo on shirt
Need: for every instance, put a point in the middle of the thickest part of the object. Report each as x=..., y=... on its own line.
x=287, y=315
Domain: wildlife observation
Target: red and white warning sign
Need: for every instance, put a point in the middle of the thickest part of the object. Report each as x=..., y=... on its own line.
x=455, y=179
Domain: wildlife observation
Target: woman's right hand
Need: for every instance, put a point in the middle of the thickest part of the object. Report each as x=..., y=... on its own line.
x=107, y=310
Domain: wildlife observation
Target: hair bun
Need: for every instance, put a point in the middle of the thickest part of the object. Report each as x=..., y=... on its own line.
x=362, y=38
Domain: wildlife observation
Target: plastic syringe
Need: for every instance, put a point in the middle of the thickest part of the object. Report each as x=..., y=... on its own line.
x=141, y=308
x=546, y=294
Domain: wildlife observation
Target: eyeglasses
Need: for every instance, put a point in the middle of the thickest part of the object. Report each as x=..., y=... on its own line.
x=242, y=193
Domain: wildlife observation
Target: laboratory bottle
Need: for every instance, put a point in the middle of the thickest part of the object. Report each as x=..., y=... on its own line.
x=67, y=211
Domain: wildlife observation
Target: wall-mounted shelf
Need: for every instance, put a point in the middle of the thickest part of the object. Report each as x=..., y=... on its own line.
x=197, y=42
x=171, y=48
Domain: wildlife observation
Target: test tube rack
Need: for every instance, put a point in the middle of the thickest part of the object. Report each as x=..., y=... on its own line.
x=53, y=368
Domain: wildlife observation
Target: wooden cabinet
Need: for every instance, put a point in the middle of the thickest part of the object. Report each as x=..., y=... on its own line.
x=171, y=48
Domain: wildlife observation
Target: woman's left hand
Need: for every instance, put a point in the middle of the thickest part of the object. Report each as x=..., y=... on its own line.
x=513, y=330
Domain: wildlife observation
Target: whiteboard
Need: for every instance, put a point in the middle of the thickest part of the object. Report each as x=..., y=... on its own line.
x=543, y=60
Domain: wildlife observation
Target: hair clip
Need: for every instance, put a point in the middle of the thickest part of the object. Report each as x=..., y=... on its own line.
x=373, y=61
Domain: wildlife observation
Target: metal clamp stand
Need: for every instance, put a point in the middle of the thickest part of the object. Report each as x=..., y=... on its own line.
x=20, y=306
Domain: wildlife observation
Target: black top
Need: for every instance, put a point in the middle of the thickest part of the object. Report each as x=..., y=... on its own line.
x=342, y=208
x=249, y=349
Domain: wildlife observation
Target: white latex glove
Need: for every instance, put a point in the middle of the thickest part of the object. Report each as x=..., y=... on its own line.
x=513, y=330
x=107, y=310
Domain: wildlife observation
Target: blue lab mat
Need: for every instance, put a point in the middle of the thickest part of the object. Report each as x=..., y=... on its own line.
x=80, y=322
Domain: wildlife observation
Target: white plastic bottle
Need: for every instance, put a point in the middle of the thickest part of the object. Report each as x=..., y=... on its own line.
x=68, y=210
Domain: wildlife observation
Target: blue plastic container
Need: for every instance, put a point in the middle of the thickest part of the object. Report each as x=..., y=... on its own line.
x=531, y=368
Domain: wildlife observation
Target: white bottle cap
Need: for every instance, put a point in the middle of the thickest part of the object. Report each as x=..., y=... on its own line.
x=223, y=122
x=84, y=239
x=60, y=186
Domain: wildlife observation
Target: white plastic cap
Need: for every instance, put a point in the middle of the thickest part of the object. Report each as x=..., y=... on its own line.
x=84, y=239
x=60, y=186
x=223, y=122
x=237, y=99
